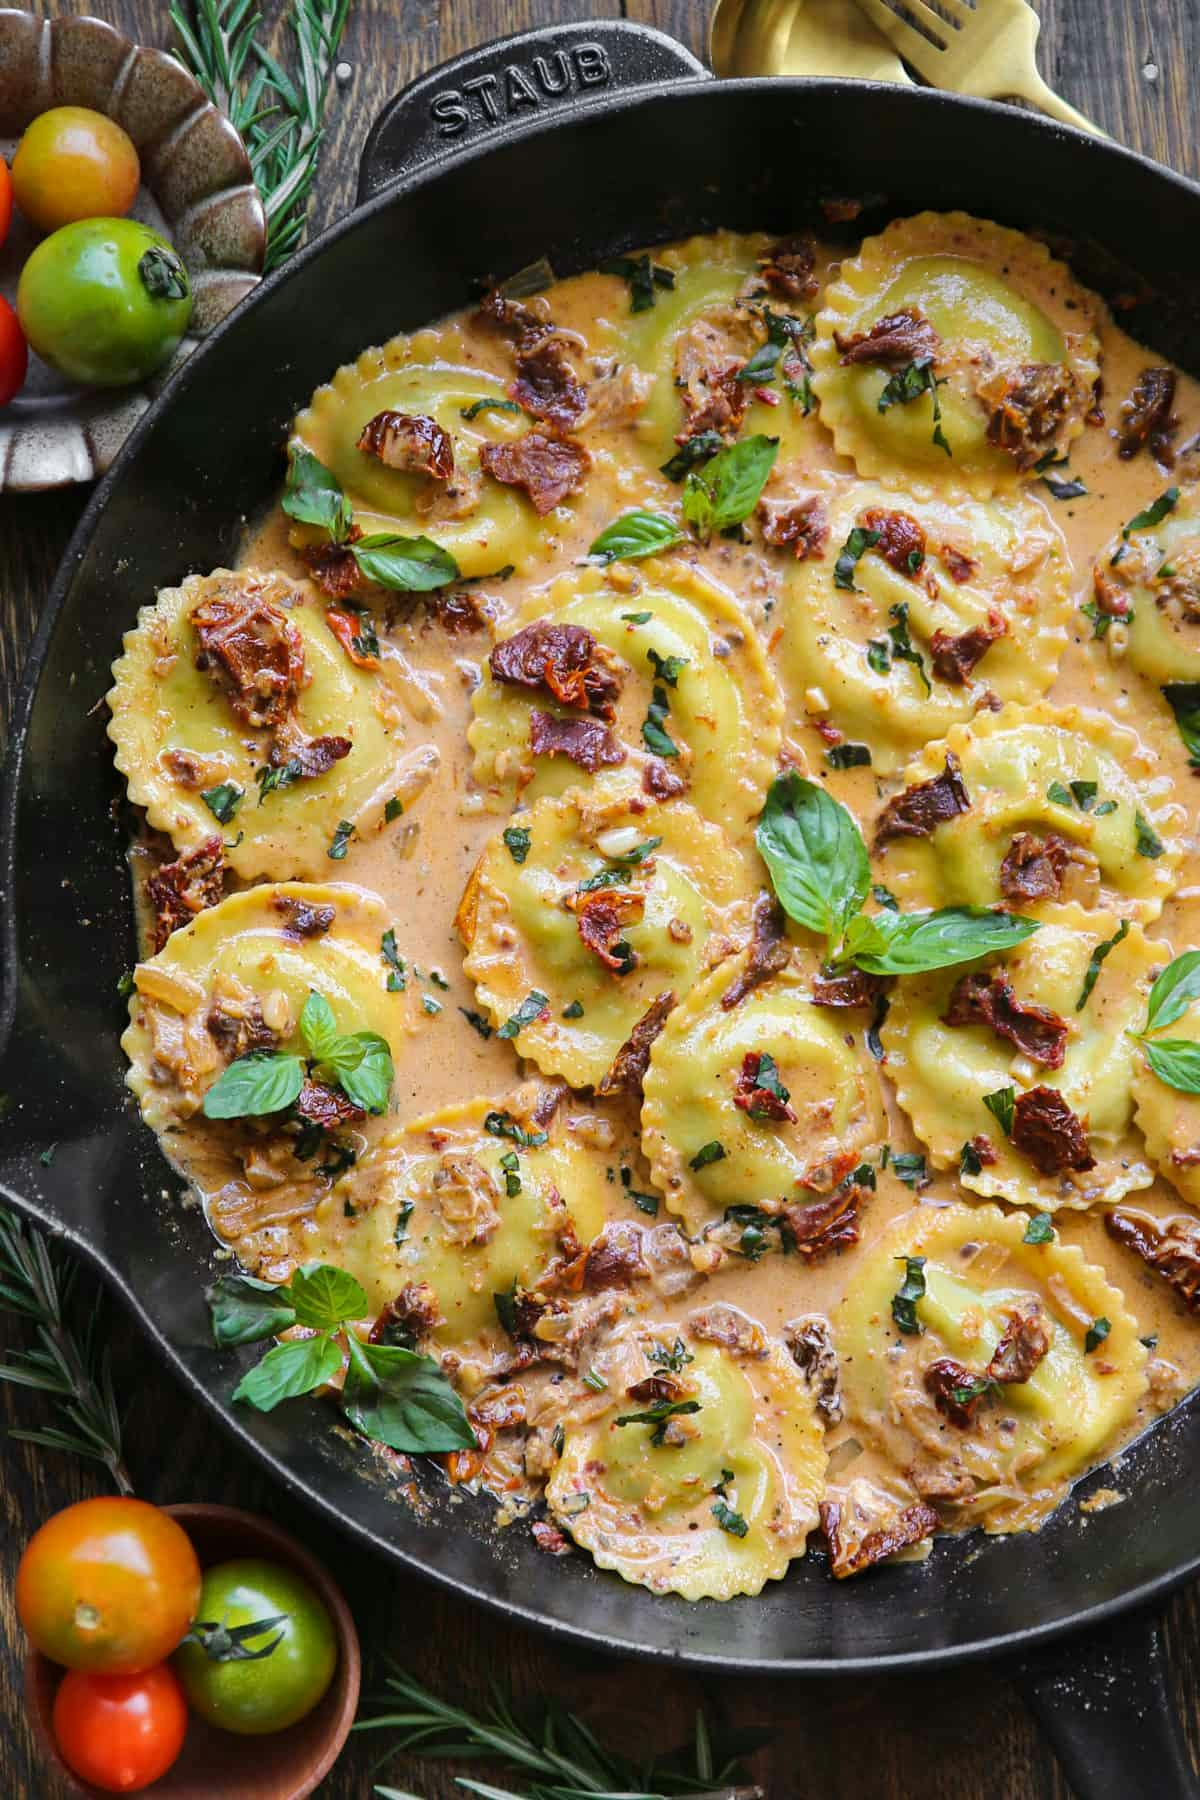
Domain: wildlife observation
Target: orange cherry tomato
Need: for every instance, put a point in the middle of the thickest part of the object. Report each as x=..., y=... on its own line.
x=73, y=163
x=14, y=352
x=109, y=1585
x=5, y=199
x=120, y=1732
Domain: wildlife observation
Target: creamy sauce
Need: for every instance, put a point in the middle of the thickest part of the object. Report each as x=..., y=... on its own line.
x=420, y=868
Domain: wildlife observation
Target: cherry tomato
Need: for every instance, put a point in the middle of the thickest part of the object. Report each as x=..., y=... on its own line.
x=73, y=163
x=255, y=1693
x=109, y=1586
x=105, y=301
x=14, y=353
x=5, y=199
x=120, y=1732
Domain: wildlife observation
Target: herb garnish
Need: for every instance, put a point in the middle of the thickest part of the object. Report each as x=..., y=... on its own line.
x=477, y=1022
x=712, y=1152
x=969, y=1160
x=223, y=800
x=657, y=1415
x=340, y=842
x=516, y=841
x=1002, y=1106
x=269, y=1082
x=393, y=1396
x=1149, y=844
x=594, y=1380
x=1183, y=697
x=1153, y=514
x=313, y=496
x=487, y=405
x=673, y=1360
x=397, y=967
x=856, y=545
x=636, y=534
x=642, y=277
x=908, y=384
x=1097, y=1332
x=848, y=756
x=269, y=778
x=667, y=668
x=503, y=1125
x=510, y=1164
x=728, y=1519
x=531, y=1008
x=654, y=733
x=727, y=489
x=393, y=810
x=573, y=1009
x=909, y=1167
x=1096, y=960
x=697, y=449
x=904, y=1300
x=1039, y=1230
x=768, y=1080
x=821, y=875
x=1176, y=1061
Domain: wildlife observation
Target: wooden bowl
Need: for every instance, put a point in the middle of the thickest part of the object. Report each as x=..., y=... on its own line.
x=284, y=1766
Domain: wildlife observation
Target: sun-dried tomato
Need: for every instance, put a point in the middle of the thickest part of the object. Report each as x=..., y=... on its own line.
x=847, y=1558
x=919, y=810
x=1049, y=1133
x=179, y=890
x=252, y=651
x=347, y=628
x=901, y=337
x=829, y=1224
x=955, y=657
x=547, y=465
x=303, y=920
x=982, y=998
x=1171, y=1247
x=760, y=1102
x=546, y=385
x=583, y=741
x=327, y=1107
x=410, y=442
x=1147, y=420
x=1027, y=406
x=1034, y=866
x=787, y=267
x=563, y=661
x=628, y=1069
x=901, y=539
x=801, y=526
x=856, y=988
x=601, y=916
x=769, y=952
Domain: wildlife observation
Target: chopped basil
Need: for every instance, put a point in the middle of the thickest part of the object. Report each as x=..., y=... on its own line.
x=1153, y=514
x=884, y=897
x=909, y=1167
x=595, y=1381
x=696, y=450
x=904, y=1300
x=223, y=800
x=477, y=1022
x=394, y=961
x=393, y=809
x=1096, y=960
x=1149, y=844
x=712, y=1152
x=284, y=775
x=908, y=384
x=126, y=984
x=657, y=1415
x=873, y=1040
x=642, y=277
x=673, y=1360
x=667, y=668
x=1183, y=697
x=1064, y=490
x=639, y=853
x=516, y=841
x=1097, y=1332
x=503, y=1125
x=1002, y=1106
x=654, y=733
x=486, y=405
x=646, y=1203
x=1039, y=1230
x=1084, y=793
x=404, y=1213
x=636, y=534
x=902, y=645
x=341, y=840
x=848, y=756
x=637, y=618
x=430, y=1005
x=531, y=1007
x=728, y=1519
x=856, y=545
x=1151, y=1342
x=768, y=1080
x=969, y=1160
x=573, y=1010
x=505, y=1304
x=1058, y=795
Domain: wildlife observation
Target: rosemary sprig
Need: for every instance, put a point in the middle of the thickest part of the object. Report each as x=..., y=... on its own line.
x=280, y=119
x=38, y=1285
x=560, y=1753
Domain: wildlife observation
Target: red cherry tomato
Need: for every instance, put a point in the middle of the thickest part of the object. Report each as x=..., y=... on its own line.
x=5, y=199
x=14, y=352
x=120, y=1732
x=109, y=1585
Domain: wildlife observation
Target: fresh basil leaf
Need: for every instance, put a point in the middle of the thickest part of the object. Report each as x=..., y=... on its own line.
x=902, y=649
x=362, y=1066
x=318, y=1027
x=314, y=496
x=909, y=1167
x=1154, y=513
x=727, y=489
x=815, y=855
x=667, y=668
x=712, y=1152
x=400, y=1398
x=890, y=943
x=1148, y=842
x=254, y=1085
x=244, y=1310
x=1174, y=991
x=1084, y=793
x=655, y=735
x=288, y=1371
x=1002, y=1106
x=1096, y=962
x=904, y=1301
x=1175, y=1061
x=340, y=842
x=223, y=800
x=411, y=565
x=1040, y=1230
x=636, y=534
x=728, y=1519
x=1183, y=697
x=327, y=1297
x=763, y=365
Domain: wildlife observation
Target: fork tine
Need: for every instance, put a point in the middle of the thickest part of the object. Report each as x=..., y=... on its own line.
x=910, y=43
x=929, y=19
x=960, y=12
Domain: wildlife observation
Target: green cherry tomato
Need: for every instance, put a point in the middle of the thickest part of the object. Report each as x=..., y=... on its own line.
x=105, y=301
x=230, y=1683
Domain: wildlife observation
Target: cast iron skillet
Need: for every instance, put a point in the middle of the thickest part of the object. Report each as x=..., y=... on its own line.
x=483, y=167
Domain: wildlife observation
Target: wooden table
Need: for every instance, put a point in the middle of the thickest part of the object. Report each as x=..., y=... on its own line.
x=958, y=1736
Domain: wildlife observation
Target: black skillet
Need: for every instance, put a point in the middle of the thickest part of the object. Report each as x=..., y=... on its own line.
x=575, y=142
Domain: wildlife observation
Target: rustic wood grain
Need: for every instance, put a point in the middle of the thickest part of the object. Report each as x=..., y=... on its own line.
x=957, y=1736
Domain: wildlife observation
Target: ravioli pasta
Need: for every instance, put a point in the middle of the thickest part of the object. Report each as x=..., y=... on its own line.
x=1041, y=772
x=944, y=1072
x=650, y=1506
x=857, y=645
x=1008, y=1467
x=722, y=708
x=997, y=305
x=717, y=1238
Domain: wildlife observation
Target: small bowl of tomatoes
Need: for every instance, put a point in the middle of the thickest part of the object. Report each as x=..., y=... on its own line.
x=188, y=1630
x=130, y=225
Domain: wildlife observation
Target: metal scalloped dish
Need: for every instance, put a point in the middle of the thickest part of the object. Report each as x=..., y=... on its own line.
x=197, y=190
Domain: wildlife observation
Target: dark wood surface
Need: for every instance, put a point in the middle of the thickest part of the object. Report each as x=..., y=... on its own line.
x=957, y=1736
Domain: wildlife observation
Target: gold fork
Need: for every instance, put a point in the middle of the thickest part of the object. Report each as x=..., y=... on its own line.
x=985, y=48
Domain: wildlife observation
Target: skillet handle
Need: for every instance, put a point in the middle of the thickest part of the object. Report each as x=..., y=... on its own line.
x=504, y=86
x=1104, y=1702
